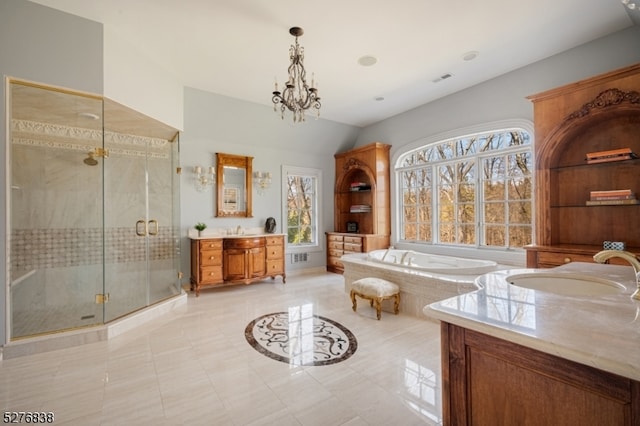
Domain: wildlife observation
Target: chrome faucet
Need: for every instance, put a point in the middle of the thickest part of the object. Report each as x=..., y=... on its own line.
x=404, y=257
x=605, y=255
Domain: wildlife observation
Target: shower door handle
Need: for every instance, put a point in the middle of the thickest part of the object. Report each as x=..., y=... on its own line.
x=141, y=224
x=155, y=224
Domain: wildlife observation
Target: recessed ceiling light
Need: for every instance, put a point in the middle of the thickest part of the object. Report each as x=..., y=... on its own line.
x=470, y=56
x=367, y=60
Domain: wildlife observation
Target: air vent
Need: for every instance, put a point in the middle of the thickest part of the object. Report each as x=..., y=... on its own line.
x=299, y=257
x=442, y=77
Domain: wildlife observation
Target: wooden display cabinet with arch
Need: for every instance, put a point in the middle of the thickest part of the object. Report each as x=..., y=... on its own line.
x=362, y=220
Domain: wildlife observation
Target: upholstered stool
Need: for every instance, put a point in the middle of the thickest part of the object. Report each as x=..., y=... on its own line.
x=375, y=290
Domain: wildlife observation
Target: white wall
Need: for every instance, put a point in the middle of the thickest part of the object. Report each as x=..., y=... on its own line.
x=135, y=80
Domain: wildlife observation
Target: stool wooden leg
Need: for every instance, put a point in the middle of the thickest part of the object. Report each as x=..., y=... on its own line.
x=396, y=304
x=378, y=308
x=353, y=300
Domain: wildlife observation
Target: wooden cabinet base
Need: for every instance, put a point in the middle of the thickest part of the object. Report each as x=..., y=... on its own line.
x=552, y=256
x=222, y=262
x=490, y=381
x=339, y=244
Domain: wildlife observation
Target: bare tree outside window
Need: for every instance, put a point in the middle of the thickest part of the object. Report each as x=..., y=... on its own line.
x=479, y=186
x=301, y=200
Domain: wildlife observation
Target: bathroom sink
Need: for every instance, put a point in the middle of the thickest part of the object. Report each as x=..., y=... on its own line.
x=566, y=284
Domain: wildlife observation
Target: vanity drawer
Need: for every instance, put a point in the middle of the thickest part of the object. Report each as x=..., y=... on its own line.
x=353, y=248
x=332, y=237
x=335, y=253
x=335, y=245
x=275, y=267
x=210, y=244
x=557, y=259
x=212, y=274
x=353, y=240
x=275, y=252
x=211, y=258
x=275, y=241
x=244, y=242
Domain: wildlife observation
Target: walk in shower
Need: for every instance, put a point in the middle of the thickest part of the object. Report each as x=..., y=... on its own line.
x=93, y=210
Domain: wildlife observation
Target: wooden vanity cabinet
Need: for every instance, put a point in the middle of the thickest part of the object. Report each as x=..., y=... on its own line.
x=362, y=216
x=598, y=114
x=490, y=381
x=237, y=260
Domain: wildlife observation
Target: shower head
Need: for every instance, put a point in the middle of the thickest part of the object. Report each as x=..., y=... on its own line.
x=90, y=161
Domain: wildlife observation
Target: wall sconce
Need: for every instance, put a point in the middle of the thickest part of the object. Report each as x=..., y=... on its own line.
x=262, y=181
x=204, y=178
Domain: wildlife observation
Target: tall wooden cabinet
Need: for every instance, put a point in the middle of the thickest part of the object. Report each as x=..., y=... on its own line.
x=362, y=203
x=598, y=114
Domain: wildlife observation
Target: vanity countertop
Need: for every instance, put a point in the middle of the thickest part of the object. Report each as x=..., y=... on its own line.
x=216, y=236
x=599, y=331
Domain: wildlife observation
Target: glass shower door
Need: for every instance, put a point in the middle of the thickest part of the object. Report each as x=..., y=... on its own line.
x=141, y=245
x=164, y=220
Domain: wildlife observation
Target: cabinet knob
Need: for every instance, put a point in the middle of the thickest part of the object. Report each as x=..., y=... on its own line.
x=567, y=260
x=210, y=273
x=212, y=257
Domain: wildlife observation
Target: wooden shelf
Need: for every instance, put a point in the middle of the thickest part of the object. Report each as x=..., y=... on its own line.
x=591, y=116
x=592, y=165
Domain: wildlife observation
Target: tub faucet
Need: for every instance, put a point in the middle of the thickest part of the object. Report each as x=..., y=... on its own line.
x=404, y=257
x=605, y=255
x=385, y=254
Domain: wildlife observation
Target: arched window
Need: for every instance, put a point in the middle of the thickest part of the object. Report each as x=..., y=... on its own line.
x=471, y=191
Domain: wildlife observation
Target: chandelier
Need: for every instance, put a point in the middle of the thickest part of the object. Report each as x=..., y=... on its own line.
x=296, y=96
x=631, y=5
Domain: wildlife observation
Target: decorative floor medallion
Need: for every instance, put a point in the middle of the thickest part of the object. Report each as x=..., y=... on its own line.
x=300, y=338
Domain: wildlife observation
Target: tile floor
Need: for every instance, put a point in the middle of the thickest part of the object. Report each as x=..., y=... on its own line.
x=195, y=367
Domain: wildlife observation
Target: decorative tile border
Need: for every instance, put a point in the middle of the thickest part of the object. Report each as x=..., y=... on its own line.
x=54, y=248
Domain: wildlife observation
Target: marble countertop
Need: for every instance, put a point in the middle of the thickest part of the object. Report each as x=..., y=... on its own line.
x=600, y=331
x=245, y=235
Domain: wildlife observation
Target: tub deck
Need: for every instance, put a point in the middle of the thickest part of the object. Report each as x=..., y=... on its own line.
x=417, y=288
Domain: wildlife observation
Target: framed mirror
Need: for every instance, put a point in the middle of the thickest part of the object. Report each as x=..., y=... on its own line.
x=233, y=184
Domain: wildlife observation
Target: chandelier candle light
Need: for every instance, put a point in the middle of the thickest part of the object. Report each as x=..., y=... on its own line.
x=296, y=96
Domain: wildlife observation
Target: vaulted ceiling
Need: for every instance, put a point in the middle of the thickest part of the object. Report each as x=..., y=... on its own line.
x=238, y=48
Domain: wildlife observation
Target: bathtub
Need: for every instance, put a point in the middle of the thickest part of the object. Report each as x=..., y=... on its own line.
x=423, y=278
x=432, y=262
